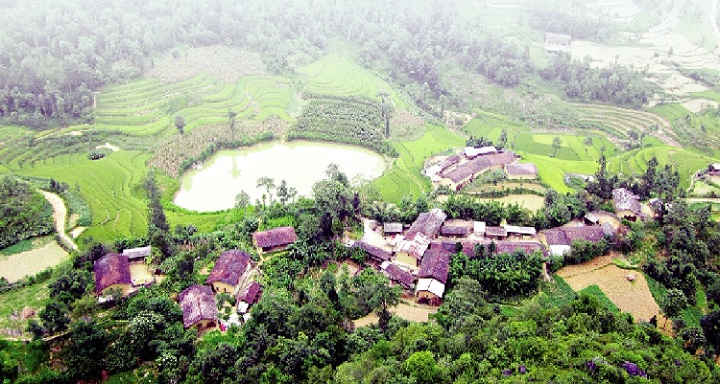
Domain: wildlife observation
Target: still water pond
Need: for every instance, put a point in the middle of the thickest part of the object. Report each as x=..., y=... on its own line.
x=215, y=185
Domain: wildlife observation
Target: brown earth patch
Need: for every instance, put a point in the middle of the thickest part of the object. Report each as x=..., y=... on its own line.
x=408, y=311
x=633, y=297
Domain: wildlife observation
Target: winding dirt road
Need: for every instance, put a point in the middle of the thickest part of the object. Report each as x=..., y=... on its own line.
x=59, y=216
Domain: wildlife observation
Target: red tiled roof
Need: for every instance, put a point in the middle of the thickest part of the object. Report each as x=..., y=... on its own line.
x=251, y=293
x=197, y=303
x=435, y=264
x=555, y=236
x=111, y=269
x=428, y=223
x=495, y=231
x=399, y=275
x=276, y=237
x=512, y=246
x=593, y=234
x=229, y=267
x=376, y=253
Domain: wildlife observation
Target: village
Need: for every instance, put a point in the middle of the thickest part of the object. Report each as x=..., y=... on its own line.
x=415, y=256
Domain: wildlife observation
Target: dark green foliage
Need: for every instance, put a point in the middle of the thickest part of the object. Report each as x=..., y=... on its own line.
x=500, y=276
x=24, y=213
x=581, y=251
x=71, y=284
x=54, y=317
x=85, y=357
x=351, y=120
x=492, y=212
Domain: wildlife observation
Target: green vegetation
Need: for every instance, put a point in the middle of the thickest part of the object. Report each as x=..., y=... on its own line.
x=597, y=293
x=24, y=212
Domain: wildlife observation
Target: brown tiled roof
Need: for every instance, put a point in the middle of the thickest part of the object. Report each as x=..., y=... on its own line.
x=414, y=244
x=478, y=164
x=399, y=275
x=556, y=236
x=443, y=245
x=276, y=237
x=229, y=267
x=435, y=264
x=521, y=169
x=197, y=303
x=376, y=253
x=251, y=293
x=428, y=223
x=625, y=200
x=512, y=246
x=449, y=230
x=452, y=160
x=111, y=269
x=495, y=231
x=593, y=234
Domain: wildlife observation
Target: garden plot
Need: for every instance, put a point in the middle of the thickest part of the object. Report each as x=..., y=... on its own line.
x=411, y=312
x=29, y=263
x=633, y=297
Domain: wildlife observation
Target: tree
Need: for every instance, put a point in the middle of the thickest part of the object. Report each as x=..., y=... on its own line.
x=502, y=140
x=423, y=367
x=374, y=292
x=54, y=317
x=180, y=123
x=158, y=228
x=242, y=200
x=269, y=185
x=231, y=116
x=674, y=302
x=556, y=144
x=85, y=358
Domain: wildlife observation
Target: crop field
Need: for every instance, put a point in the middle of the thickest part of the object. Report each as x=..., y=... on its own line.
x=106, y=184
x=686, y=162
x=405, y=176
x=553, y=170
x=617, y=123
x=335, y=75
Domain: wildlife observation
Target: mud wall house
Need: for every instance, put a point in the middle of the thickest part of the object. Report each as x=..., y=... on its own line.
x=112, y=272
x=627, y=205
x=274, y=240
x=198, y=306
x=426, y=227
x=526, y=171
x=495, y=233
x=398, y=275
x=520, y=232
x=229, y=268
x=248, y=296
x=463, y=174
x=390, y=229
x=559, y=240
x=557, y=42
x=433, y=276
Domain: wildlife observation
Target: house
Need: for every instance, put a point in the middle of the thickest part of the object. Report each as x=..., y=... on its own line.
x=714, y=167
x=591, y=218
x=376, y=254
x=463, y=174
x=557, y=42
x=522, y=232
x=455, y=231
x=248, y=296
x=228, y=269
x=517, y=171
x=112, y=271
x=433, y=275
x=198, y=307
x=398, y=275
x=627, y=205
x=433, y=171
x=498, y=233
x=472, y=152
x=479, y=228
x=392, y=228
x=137, y=254
x=428, y=223
x=411, y=249
x=274, y=240
x=559, y=240
x=529, y=247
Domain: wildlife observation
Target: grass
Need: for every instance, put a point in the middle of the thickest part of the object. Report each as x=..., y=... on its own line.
x=20, y=247
x=553, y=170
x=405, y=177
x=595, y=291
x=12, y=302
x=556, y=294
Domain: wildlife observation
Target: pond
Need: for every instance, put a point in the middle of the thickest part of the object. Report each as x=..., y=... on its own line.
x=214, y=186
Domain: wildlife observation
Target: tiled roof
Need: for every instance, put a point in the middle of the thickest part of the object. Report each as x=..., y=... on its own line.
x=392, y=227
x=275, y=237
x=111, y=269
x=449, y=230
x=625, y=200
x=520, y=230
x=229, y=267
x=251, y=293
x=414, y=244
x=511, y=246
x=557, y=38
x=435, y=264
x=428, y=223
x=555, y=236
x=593, y=234
x=521, y=169
x=399, y=275
x=376, y=253
x=495, y=231
x=197, y=303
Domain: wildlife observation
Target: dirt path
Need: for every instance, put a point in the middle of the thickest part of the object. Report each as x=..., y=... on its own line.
x=410, y=312
x=633, y=297
x=59, y=216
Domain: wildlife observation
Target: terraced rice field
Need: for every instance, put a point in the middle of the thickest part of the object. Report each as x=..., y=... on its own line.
x=335, y=75
x=617, y=123
x=106, y=184
x=406, y=177
x=553, y=170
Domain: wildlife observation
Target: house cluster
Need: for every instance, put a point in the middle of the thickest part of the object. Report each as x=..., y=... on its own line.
x=417, y=257
x=627, y=205
x=114, y=273
x=459, y=170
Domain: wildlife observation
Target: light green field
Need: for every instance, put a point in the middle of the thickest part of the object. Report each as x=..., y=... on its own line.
x=553, y=170
x=405, y=177
x=336, y=75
